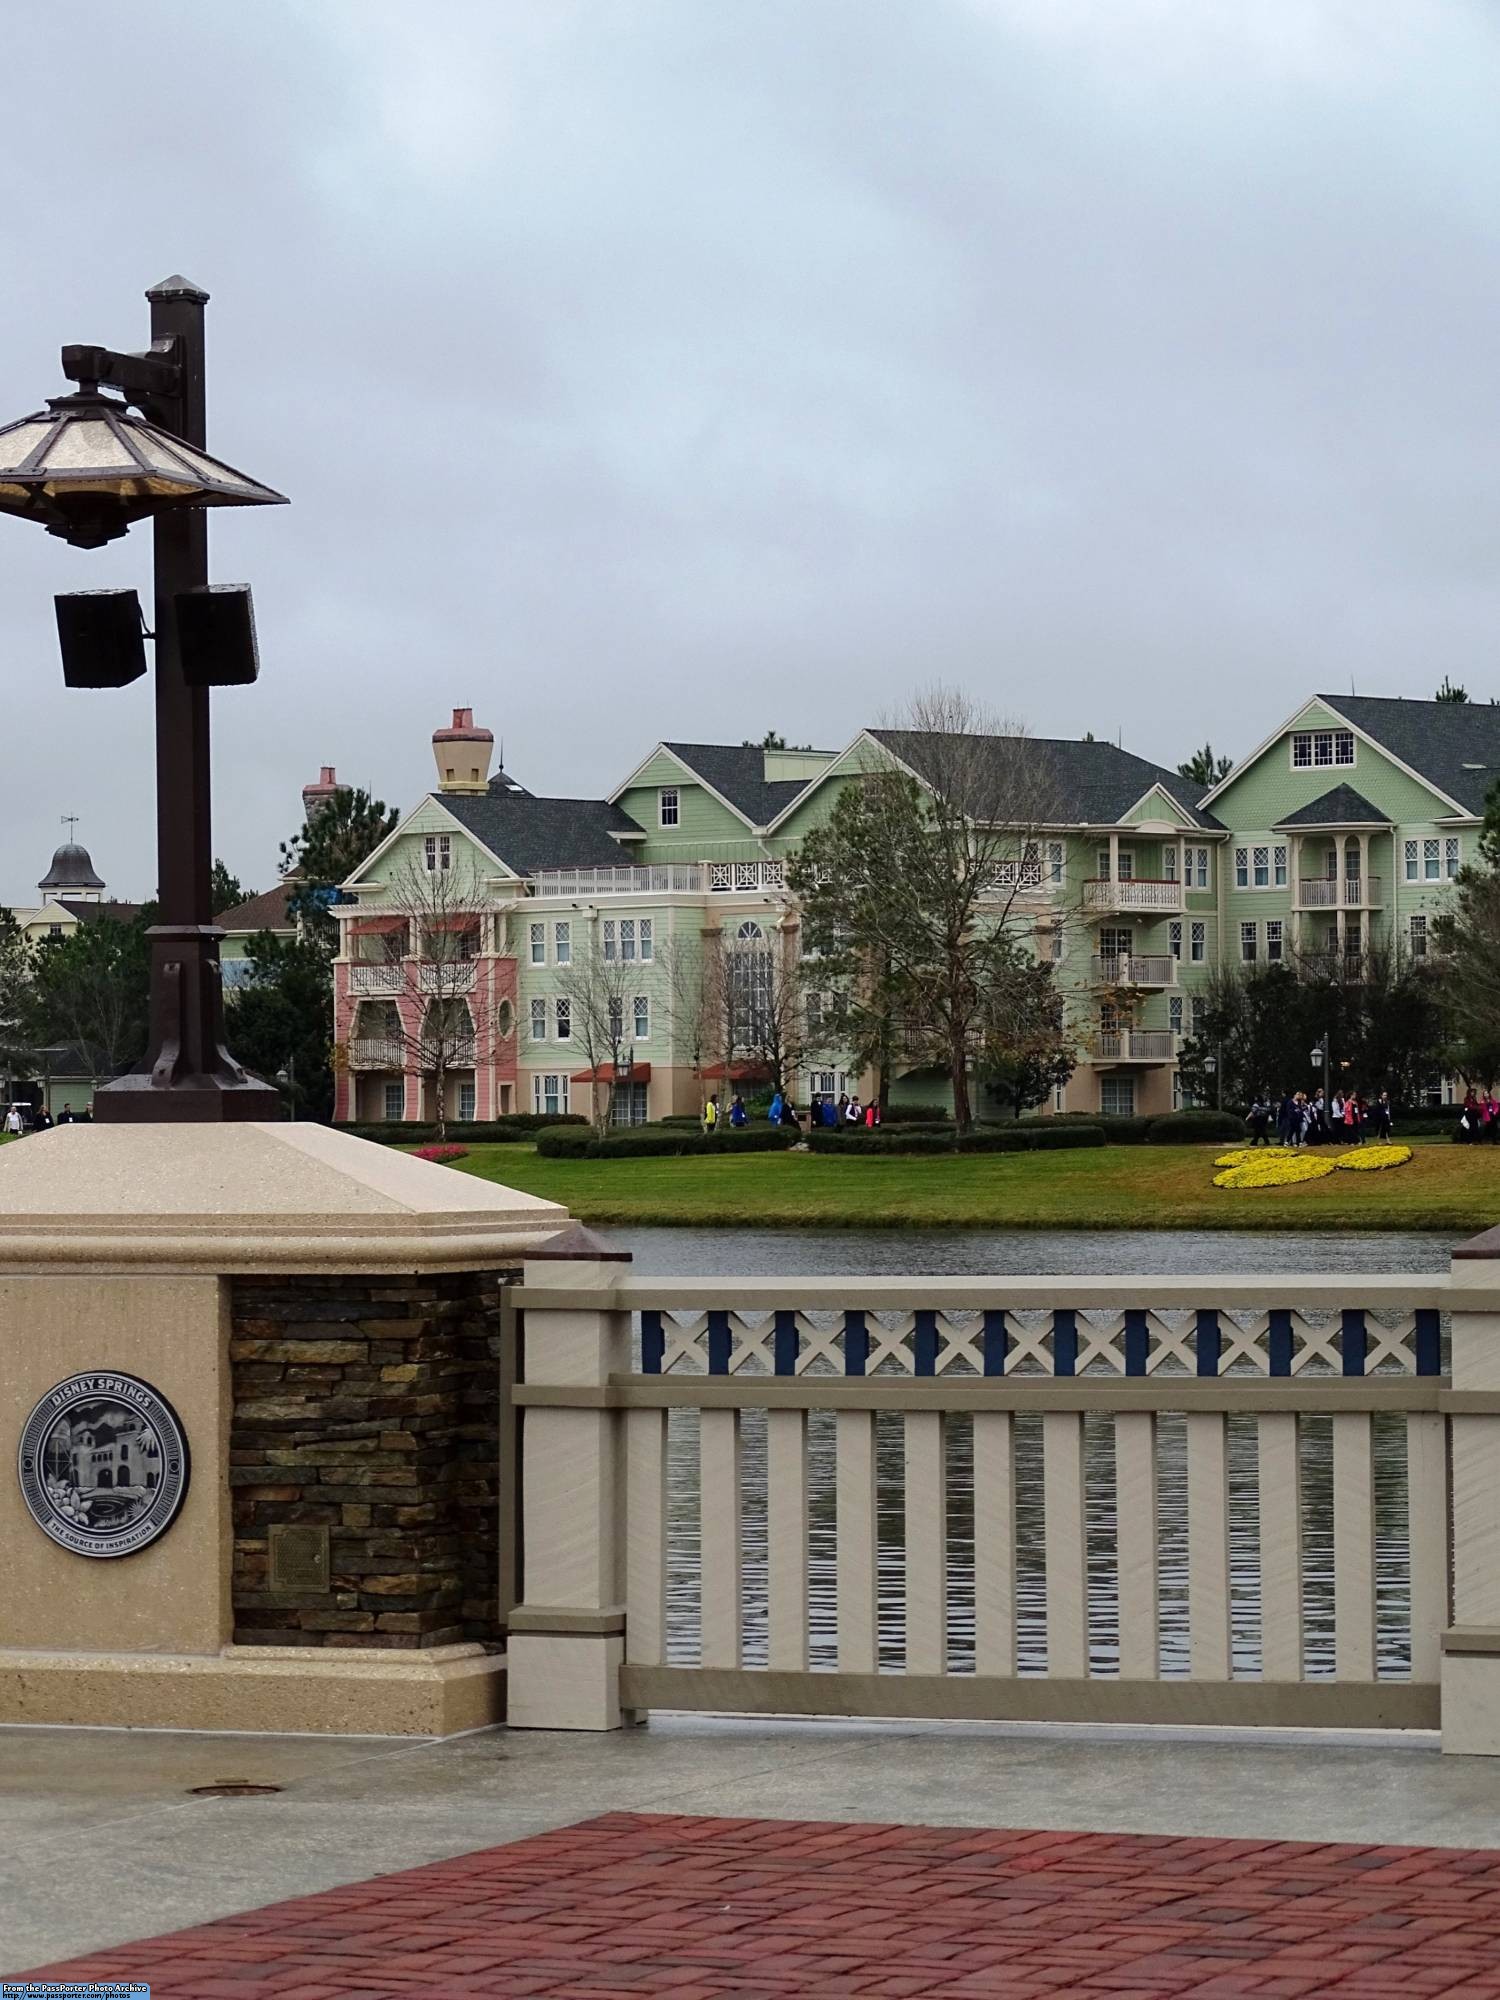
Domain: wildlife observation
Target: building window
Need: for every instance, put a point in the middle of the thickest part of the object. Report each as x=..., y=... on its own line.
x=1247, y=943
x=539, y=1020
x=642, y=1017
x=563, y=1008
x=1117, y=1096
x=1278, y=856
x=1418, y=937
x=1318, y=748
x=1261, y=862
x=562, y=943
x=609, y=938
x=1411, y=861
x=1055, y=943
x=616, y=1007
x=1431, y=850
x=394, y=1101
x=437, y=851
x=1115, y=943
x=666, y=806
x=1174, y=937
x=1197, y=868
x=1101, y=864
x=648, y=939
x=549, y=1095
x=1242, y=868
x=627, y=937
x=1174, y=1012
x=1351, y=938
x=1127, y=864
x=466, y=1103
x=1200, y=1013
x=1198, y=946
x=1450, y=856
x=1273, y=941
x=539, y=944
x=1168, y=862
x=1055, y=860
x=504, y=1019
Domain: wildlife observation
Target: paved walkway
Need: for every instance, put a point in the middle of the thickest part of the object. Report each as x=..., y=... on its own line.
x=734, y=1909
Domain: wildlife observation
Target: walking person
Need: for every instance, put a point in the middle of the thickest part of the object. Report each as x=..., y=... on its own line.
x=1353, y=1120
x=830, y=1113
x=14, y=1124
x=739, y=1117
x=774, y=1114
x=1383, y=1115
x=1468, y=1118
x=711, y=1115
x=1259, y=1121
x=1317, y=1130
x=853, y=1112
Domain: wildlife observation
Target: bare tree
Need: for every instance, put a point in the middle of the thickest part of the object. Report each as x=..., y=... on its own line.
x=763, y=1013
x=926, y=884
x=439, y=1021
x=686, y=967
x=598, y=992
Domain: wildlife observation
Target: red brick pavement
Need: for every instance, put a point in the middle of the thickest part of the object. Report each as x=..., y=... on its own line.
x=722, y=1909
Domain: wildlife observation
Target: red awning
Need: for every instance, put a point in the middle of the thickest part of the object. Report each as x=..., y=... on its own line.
x=373, y=926
x=736, y=1073
x=606, y=1074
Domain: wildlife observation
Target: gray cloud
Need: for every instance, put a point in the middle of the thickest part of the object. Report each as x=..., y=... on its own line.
x=648, y=367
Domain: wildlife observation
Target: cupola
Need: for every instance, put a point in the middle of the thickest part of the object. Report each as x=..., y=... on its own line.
x=462, y=754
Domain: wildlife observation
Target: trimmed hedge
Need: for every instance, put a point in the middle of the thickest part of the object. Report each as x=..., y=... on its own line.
x=1117, y=1131
x=1035, y=1137
x=639, y=1144
x=917, y=1114
x=1186, y=1128
x=519, y=1125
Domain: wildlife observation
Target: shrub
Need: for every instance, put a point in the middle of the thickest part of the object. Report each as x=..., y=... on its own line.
x=1117, y=1131
x=1187, y=1128
x=443, y=1155
x=638, y=1143
x=917, y=1114
x=514, y=1127
x=1030, y=1136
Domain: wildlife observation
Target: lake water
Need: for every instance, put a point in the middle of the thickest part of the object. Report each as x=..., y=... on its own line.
x=791, y=1253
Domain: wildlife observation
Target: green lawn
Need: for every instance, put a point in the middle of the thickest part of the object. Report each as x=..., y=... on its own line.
x=1446, y=1187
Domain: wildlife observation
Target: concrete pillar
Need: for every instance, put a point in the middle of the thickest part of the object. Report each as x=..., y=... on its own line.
x=1471, y=1645
x=1114, y=857
x=567, y=1636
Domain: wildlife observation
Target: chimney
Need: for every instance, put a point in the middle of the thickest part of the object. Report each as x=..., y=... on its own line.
x=463, y=754
x=316, y=795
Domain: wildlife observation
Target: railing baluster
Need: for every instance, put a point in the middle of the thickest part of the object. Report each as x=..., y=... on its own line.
x=1136, y=1544
x=1279, y=1484
x=1066, y=1563
x=1427, y=1541
x=856, y=1541
x=994, y=1542
x=786, y=1530
x=719, y=1502
x=1353, y=1547
x=926, y=1544
x=646, y=1537
x=1208, y=1543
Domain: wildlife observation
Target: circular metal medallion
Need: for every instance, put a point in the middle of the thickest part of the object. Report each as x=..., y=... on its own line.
x=103, y=1464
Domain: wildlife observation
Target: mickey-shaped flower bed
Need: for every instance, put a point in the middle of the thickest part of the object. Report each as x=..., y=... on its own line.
x=1282, y=1166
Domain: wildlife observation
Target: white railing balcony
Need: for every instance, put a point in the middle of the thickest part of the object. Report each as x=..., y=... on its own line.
x=375, y=1052
x=678, y=877
x=1353, y=893
x=1103, y=898
x=1135, y=969
x=1147, y=1045
x=456, y=976
x=386, y=977
x=456, y=1054
x=756, y=876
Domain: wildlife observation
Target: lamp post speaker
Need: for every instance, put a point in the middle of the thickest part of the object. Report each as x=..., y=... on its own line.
x=216, y=636
x=101, y=639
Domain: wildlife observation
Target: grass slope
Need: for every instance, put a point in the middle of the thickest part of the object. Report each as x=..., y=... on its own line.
x=1447, y=1187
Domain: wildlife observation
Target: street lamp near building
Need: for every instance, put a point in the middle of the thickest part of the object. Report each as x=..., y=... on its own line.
x=85, y=469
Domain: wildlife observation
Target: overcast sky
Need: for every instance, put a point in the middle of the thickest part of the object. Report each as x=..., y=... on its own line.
x=645, y=368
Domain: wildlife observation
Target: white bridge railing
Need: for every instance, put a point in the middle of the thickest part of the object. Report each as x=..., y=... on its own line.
x=1091, y=1499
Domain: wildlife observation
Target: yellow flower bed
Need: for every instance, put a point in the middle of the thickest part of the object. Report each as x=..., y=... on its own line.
x=1370, y=1159
x=1282, y=1171
x=1239, y=1154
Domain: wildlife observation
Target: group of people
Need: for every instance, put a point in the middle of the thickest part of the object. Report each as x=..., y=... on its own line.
x=827, y=1112
x=1479, y=1119
x=37, y=1118
x=1300, y=1120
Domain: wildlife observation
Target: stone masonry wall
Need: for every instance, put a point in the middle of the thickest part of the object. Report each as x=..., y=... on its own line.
x=371, y=1406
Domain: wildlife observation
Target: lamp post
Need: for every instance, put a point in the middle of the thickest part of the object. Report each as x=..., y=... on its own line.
x=85, y=469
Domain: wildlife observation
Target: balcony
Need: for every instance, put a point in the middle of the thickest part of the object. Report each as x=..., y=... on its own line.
x=456, y=1054
x=456, y=975
x=386, y=977
x=1142, y=1045
x=1322, y=893
x=375, y=1052
x=1135, y=969
x=679, y=877
x=1108, y=899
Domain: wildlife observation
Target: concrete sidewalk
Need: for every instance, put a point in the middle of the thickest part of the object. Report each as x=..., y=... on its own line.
x=101, y=1839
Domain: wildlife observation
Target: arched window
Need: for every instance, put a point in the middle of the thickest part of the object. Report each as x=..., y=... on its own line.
x=749, y=933
x=504, y=1019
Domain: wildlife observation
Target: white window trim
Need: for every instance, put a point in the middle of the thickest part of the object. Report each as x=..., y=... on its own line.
x=1338, y=730
x=663, y=793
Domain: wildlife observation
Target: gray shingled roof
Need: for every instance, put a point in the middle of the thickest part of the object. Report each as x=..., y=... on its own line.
x=529, y=833
x=736, y=771
x=1343, y=806
x=1073, y=783
x=1454, y=745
